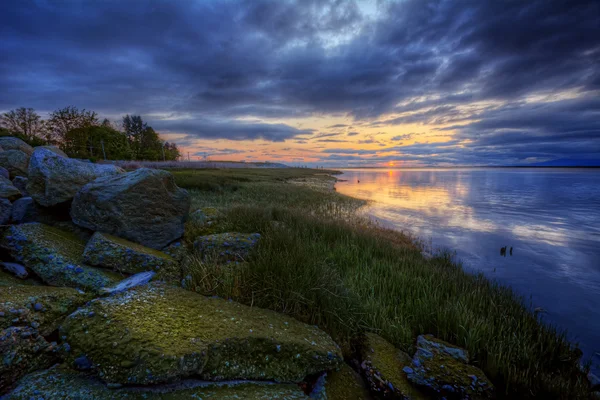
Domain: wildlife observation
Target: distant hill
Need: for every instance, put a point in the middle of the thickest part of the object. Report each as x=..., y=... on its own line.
x=568, y=162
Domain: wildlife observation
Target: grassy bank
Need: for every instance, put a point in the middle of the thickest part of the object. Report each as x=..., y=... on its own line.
x=324, y=265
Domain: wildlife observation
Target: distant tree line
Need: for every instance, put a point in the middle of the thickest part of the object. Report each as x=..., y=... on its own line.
x=80, y=134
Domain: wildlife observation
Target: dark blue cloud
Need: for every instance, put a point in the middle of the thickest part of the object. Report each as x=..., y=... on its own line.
x=425, y=61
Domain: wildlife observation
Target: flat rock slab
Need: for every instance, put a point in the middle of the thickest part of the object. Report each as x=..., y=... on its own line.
x=61, y=383
x=23, y=350
x=41, y=307
x=55, y=256
x=160, y=333
x=383, y=368
x=144, y=206
x=232, y=246
x=54, y=179
x=442, y=368
x=108, y=251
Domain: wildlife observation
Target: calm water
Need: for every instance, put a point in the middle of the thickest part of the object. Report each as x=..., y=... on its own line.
x=551, y=218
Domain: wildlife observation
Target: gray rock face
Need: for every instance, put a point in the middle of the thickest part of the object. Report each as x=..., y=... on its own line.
x=8, y=191
x=55, y=150
x=16, y=269
x=13, y=143
x=4, y=172
x=144, y=206
x=15, y=161
x=54, y=179
x=20, y=182
x=5, y=211
x=24, y=210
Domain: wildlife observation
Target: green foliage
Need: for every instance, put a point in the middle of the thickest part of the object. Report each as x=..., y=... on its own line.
x=88, y=142
x=34, y=141
x=320, y=263
x=68, y=118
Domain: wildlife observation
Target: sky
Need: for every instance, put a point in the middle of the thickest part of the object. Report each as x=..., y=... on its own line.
x=331, y=83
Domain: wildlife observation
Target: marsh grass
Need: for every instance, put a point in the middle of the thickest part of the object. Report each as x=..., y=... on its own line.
x=320, y=263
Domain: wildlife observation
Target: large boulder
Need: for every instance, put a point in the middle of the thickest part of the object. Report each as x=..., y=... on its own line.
x=55, y=256
x=5, y=211
x=108, y=251
x=158, y=333
x=13, y=143
x=23, y=350
x=54, y=179
x=62, y=383
x=383, y=368
x=144, y=206
x=41, y=307
x=55, y=150
x=231, y=246
x=15, y=161
x=443, y=369
x=8, y=191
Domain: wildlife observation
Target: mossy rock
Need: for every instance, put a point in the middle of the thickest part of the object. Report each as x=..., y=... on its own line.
x=108, y=251
x=232, y=246
x=158, y=333
x=62, y=383
x=383, y=368
x=9, y=279
x=22, y=351
x=343, y=384
x=205, y=215
x=441, y=368
x=41, y=307
x=55, y=256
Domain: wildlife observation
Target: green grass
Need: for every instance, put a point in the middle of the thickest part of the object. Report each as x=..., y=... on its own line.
x=324, y=265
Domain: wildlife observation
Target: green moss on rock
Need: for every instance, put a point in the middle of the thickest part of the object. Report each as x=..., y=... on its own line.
x=441, y=368
x=343, y=384
x=23, y=350
x=232, y=246
x=42, y=307
x=61, y=383
x=159, y=333
x=383, y=366
x=108, y=251
x=55, y=256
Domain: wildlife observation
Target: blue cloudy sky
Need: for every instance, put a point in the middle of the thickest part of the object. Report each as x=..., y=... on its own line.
x=327, y=82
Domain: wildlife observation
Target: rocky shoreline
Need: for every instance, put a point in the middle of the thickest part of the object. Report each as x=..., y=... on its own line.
x=93, y=303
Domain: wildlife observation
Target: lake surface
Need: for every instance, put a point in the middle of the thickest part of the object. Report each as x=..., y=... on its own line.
x=551, y=218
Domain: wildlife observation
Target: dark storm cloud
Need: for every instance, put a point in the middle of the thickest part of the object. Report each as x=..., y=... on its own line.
x=427, y=61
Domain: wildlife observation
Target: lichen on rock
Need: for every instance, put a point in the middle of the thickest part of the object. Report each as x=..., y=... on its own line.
x=159, y=333
x=442, y=368
x=54, y=256
x=62, y=383
x=108, y=251
x=41, y=307
x=343, y=384
x=231, y=246
x=383, y=367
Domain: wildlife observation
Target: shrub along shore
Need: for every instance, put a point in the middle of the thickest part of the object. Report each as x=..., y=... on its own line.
x=243, y=283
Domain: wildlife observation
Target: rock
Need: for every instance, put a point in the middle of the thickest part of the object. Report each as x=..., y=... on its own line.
x=42, y=306
x=442, y=368
x=54, y=256
x=7, y=279
x=55, y=150
x=13, y=143
x=15, y=161
x=16, y=269
x=5, y=211
x=134, y=280
x=205, y=215
x=8, y=191
x=62, y=383
x=108, y=251
x=4, y=173
x=231, y=246
x=144, y=206
x=54, y=179
x=20, y=182
x=23, y=350
x=24, y=210
x=158, y=333
x=344, y=384
x=176, y=250
x=383, y=368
